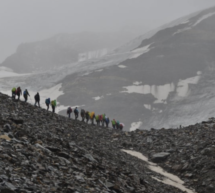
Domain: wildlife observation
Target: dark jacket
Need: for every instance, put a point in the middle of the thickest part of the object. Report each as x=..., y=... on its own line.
x=37, y=97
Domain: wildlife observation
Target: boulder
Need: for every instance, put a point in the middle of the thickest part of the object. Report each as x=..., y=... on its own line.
x=159, y=157
x=208, y=151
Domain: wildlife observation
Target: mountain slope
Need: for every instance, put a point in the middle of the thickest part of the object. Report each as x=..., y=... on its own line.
x=41, y=152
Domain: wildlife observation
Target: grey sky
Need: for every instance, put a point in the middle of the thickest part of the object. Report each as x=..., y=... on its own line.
x=30, y=20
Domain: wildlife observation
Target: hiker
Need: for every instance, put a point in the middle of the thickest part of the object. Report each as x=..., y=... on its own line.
x=48, y=101
x=92, y=116
x=97, y=120
x=121, y=125
x=53, y=104
x=37, y=99
x=107, y=121
x=83, y=114
x=18, y=92
x=13, y=93
x=113, y=123
x=87, y=116
x=25, y=95
x=100, y=119
x=117, y=124
x=69, y=111
x=76, y=113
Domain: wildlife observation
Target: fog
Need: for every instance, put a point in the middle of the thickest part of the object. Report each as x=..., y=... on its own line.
x=31, y=20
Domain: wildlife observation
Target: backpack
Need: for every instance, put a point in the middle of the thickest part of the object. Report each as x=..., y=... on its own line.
x=92, y=115
x=13, y=89
x=53, y=103
x=69, y=110
x=100, y=117
x=76, y=111
x=82, y=113
x=18, y=90
x=87, y=114
x=107, y=120
x=25, y=93
x=47, y=101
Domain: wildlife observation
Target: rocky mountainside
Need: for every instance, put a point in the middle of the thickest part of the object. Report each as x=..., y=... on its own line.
x=41, y=152
x=188, y=152
x=64, y=49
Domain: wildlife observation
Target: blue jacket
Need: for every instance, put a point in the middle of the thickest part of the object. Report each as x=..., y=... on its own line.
x=48, y=101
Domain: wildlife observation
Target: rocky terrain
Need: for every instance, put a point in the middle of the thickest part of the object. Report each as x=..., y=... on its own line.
x=45, y=153
x=188, y=152
x=41, y=152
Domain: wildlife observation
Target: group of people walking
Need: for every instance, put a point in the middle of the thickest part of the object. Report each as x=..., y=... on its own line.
x=18, y=92
x=101, y=120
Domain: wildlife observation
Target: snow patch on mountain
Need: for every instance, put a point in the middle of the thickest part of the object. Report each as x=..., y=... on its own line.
x=98, y=98
x=135, y=125
x=137, y=83
x=203, y=18
x=139, y=51
x=100, y=70
x=60, y=108
x=73, y=107
x=7, y=72
x=160, y=92
x=148, y=106
x=184, y=22
x=182, y=30
x=122, y=66
x=53, y=92
x=183, y=85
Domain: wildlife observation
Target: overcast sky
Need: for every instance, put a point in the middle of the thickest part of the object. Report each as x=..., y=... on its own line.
x=30, y=20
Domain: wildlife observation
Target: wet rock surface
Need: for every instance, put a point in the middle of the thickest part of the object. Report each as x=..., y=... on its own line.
x=44, y=153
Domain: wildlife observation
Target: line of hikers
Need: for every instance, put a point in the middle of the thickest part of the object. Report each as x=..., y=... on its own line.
x=101, y=120
x=18, y=92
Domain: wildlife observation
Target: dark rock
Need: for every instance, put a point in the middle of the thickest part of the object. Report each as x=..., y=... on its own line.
x=17, y=121
x=208, y=151
x=7, y=128
x=160, y=157
x=90, y=157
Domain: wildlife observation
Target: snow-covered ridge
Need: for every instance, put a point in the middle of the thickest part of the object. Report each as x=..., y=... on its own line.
x=203, y=18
